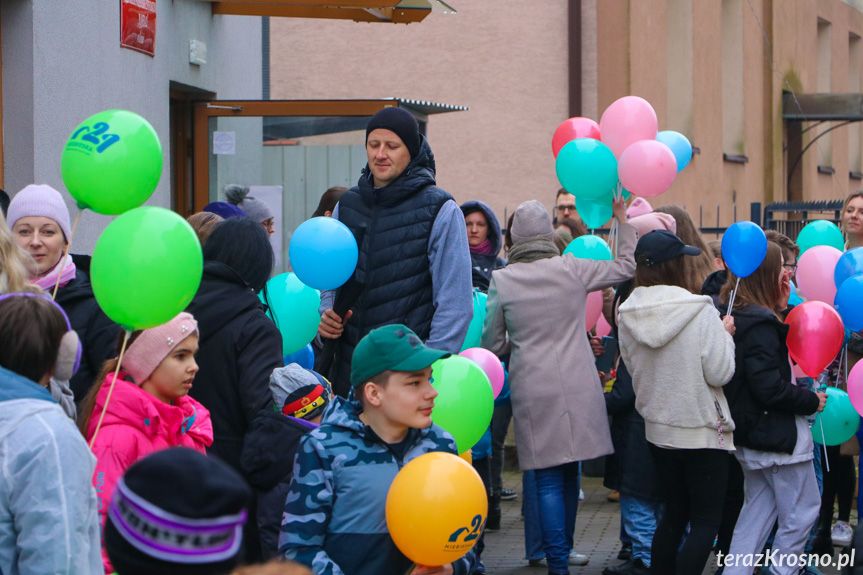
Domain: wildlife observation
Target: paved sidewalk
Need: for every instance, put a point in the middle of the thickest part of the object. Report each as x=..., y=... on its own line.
x=596, y=534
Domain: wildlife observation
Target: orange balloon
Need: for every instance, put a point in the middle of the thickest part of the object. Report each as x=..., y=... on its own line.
x=436, y=509
x=467, y=456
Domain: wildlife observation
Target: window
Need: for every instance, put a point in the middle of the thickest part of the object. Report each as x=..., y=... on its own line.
x=855, y=62
x=732, y=78
x=824, y=84
x=679, y=61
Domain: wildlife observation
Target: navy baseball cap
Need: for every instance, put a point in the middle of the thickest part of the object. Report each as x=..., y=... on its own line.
x=661, y=246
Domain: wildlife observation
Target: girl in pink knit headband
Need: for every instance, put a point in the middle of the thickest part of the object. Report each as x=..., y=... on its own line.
x=149, y=407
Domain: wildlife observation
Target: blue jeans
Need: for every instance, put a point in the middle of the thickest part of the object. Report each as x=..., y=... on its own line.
x=557, y=489
x=530, y=511
x=640, y=517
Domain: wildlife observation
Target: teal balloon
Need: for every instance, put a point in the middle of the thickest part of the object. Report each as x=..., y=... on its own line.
x=820, y=233
x=589, y=248
x=587, y=168
x=593, y=214
x=294, y=308
x=146, y=267
x=465, y=400
x=474, y=330
x=112, y=162
x=839, y=418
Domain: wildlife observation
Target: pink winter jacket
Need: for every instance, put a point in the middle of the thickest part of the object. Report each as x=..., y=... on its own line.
x=137, y=424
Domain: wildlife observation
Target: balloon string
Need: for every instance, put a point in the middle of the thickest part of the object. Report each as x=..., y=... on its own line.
x=824, y=445
x=111, y=389
x=733, y=297
x=65, y=253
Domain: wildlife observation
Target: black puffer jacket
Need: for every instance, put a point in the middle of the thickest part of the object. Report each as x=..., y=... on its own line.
x=762, y=399
x=239, y=348
x=98, y=334
x=268, y=464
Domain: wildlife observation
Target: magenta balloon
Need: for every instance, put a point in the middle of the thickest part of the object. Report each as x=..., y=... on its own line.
x=592, y=309
x=628, y=120
x=815, y=273
x=855, y=386
x=490, y=364
x=647, y=168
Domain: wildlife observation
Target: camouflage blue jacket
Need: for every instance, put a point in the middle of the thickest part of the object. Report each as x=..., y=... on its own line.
x=334, y=518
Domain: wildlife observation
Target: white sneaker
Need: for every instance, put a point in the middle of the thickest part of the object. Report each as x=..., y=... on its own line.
x=578, y=559
x=842, y=534
x=581, y=494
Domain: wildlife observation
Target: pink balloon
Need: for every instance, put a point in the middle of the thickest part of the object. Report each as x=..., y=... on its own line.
x=647, y=168
x=490, y=364
x=628, y=120
x=815, y=273
x=855, y=385
x=592, y=309
x=602, y=327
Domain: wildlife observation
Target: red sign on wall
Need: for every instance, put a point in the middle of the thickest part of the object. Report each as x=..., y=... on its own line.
x=138, y=25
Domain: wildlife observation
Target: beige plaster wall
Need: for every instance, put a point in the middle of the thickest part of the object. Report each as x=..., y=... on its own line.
x=503, y=58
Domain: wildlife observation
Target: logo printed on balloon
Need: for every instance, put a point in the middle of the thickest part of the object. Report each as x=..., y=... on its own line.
x=92, y=135
x=471, y=534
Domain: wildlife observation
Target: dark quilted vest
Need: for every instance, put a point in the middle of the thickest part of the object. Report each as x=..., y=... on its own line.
x=392, y=226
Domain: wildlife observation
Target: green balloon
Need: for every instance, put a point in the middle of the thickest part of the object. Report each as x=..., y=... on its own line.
x=594, y=214
x=839, y=418
x=587, y=168
x=294, y=307
x=820, y=233
x=112, y=162
x=589, y=248
x=474, y=330
x=465, y=400
x=146, y=267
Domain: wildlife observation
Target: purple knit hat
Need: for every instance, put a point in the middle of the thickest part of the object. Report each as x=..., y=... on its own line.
x=42, y=201
x=155, y=344
x=225, y=210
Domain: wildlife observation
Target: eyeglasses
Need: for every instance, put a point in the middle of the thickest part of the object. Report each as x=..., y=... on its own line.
x=791, y=268
x=562, y=208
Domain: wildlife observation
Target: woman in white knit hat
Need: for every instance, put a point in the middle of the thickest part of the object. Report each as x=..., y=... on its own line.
x=39, y=220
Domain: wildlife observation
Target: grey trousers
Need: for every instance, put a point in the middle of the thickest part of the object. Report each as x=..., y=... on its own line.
x=788, y=493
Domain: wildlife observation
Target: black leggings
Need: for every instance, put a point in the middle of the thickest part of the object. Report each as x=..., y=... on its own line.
x=838, y=482
x=693, y=482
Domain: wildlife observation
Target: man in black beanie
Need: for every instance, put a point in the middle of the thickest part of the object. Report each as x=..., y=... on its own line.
x=414, y=264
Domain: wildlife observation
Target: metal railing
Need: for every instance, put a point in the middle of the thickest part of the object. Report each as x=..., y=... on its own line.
x=790, y=217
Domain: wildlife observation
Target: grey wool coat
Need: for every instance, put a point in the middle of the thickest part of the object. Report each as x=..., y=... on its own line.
x=536, y=311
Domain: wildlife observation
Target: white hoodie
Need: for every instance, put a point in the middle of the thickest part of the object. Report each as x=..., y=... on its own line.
x=680, y=356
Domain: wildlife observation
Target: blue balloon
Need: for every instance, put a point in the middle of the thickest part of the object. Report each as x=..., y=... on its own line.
x=305, y=357
x=744, y=246
x=679, y=145
x=848, y=299
x=323, y=253
x=848, y=266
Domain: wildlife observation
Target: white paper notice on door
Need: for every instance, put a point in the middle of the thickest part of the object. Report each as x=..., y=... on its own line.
x=225, y=143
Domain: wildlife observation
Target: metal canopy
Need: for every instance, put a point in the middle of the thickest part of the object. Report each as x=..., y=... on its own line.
x=392, y=11
x=822, y=107
x=291, y=127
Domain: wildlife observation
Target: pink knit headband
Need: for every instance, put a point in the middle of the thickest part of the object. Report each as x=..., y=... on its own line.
x=155, y=344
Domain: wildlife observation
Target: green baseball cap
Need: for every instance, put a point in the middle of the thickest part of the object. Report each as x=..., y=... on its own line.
x=391, y=347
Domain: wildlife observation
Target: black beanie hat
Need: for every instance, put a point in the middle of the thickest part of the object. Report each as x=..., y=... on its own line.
x=177, y=512
x=402, y=123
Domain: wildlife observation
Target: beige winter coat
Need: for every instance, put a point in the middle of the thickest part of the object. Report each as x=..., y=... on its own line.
x=537, y=310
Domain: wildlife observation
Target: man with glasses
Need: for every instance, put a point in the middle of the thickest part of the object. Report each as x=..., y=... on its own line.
x=564, y=206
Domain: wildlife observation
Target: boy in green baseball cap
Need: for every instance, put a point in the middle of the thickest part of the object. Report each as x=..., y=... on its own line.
x=335, y=514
